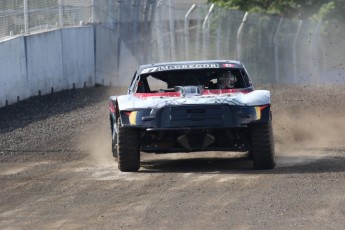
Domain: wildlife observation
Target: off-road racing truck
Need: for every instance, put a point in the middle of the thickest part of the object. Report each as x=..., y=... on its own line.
x=191, y=106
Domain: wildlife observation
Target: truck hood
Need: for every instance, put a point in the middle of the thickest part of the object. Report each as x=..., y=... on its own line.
x=158, y=100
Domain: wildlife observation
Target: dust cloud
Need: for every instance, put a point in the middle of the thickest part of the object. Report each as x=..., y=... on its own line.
x=308, y=121
x=97, y=144
x=95, y=140
x=309, y=131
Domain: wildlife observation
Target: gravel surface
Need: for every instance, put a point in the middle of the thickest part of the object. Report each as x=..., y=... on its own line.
x=56, y=170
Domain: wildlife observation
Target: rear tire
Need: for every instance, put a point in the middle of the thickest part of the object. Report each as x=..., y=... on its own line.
x=128, y=149
x=262, y=146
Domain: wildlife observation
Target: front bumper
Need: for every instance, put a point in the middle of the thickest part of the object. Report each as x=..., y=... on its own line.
x=196, y=116
x=195, y=139
x=188, y=128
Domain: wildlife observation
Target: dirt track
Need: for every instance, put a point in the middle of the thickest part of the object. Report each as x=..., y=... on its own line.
x=56, y=170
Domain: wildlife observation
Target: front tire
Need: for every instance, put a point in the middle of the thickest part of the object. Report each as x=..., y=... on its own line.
x=262, y=146
x=128, y=149
x=114, y=143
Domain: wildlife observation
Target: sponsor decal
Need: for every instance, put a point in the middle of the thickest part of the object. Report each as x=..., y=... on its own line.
x=176, y=67
x=133, y=118
x=161, y=94
x=149, y=70
x=258, y=112
x=206, y=92
x=229, y=65
x=225, y=91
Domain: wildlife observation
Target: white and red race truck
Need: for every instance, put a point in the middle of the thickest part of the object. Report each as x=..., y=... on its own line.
x=191, y=106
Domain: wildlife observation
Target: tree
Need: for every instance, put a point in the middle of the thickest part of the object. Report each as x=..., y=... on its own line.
x=301, y=9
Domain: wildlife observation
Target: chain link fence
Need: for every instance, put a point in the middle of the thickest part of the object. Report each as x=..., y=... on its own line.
x=18, y=17
x=274, y=50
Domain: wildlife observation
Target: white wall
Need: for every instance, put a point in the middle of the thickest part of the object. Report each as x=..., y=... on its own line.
x=44, y=62
x=39, y=62
x=128, y=65
x=13, y=77
x=106, y=41
x=78, y=57
x=60, y=59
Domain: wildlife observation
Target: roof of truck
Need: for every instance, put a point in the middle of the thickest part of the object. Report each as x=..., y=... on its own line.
x=184, y=65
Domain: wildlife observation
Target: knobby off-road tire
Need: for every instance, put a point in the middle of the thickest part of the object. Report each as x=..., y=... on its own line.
x=262, y=146
x=128, y=149
x=114, y=143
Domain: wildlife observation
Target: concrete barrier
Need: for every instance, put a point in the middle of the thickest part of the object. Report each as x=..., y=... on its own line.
x=78, y=59
x=127, y=65
x=13, y=75
x=106, y=56
x=46, y=62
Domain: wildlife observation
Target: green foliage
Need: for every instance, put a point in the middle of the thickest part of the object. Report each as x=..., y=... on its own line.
x=331, y=14
x=300, y=9
x=332, y=11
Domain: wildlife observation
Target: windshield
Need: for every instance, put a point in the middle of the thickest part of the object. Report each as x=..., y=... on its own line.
x=205, y=78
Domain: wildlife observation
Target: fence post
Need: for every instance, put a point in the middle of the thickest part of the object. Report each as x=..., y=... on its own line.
x=61, y=22
x=218, y=41
x=147, y=48
x=314, y=59
x=92, y=18
x=205, y=31
x=239, y=37
x=172, y=32
x=134, y=25
x=151, y=49
x=186, y=31
x=158, y=19
x=294, y=48
x=26, y=16
x=276, y=51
